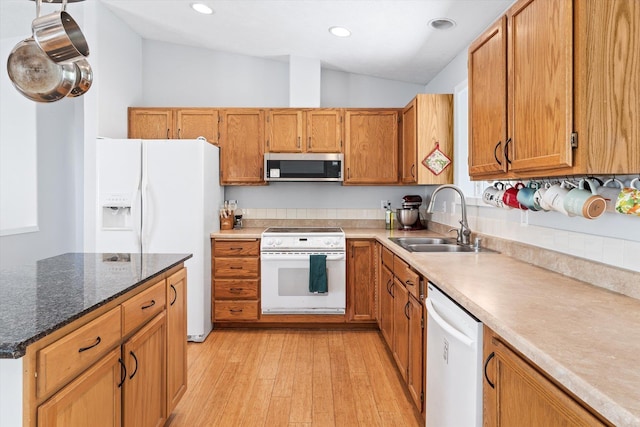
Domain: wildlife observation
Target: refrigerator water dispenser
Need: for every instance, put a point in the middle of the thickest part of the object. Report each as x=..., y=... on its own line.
x=116, y=212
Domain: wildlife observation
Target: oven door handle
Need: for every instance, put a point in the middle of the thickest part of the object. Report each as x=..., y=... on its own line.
x=281, y=256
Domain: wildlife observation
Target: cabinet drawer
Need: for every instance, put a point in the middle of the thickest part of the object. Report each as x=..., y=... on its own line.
x=236, y=248
x=236, y=310
x=236, y=267
x=142, y=307
x=60, y=361
x=387, y=258
x=408, y=277
x=236, y=289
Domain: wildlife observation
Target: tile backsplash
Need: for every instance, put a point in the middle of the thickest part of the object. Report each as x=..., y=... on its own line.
x=304, y=213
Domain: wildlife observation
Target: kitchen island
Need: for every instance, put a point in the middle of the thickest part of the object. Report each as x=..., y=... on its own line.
x=584, y=337
x=93, y=301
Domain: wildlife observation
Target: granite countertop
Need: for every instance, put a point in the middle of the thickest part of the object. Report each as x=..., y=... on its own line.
x=41, y=297
x=584, y=336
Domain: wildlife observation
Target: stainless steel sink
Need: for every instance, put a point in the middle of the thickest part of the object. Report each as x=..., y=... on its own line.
x=431, y=244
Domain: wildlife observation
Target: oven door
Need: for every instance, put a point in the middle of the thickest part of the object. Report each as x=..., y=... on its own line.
x=285, y=284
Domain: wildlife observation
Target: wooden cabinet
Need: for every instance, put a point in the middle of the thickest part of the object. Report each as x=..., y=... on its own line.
x=516, y=392
x=174, y=123
x=94, y=398
x=324, y=130
x=544, y=99
x=143, y=391
x=402, y=321
x=298, y=131
x=417, y=354
x=125, y=365
x=400, y=348
x=235, y=280
x=371, y=147
x=427, y=121
x=385, y=291
x=176, y=338
x=361, y=280
x=241, y=146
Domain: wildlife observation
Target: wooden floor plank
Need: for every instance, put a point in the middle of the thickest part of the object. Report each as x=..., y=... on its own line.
x=293, y=378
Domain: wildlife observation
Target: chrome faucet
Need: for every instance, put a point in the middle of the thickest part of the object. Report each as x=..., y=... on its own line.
x=464, y=234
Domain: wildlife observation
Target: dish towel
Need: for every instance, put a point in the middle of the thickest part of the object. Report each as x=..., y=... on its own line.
x=318, y=274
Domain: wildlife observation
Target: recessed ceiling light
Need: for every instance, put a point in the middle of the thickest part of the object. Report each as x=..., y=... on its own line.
x=442, y=23
x=339, y=31
x=202, y=8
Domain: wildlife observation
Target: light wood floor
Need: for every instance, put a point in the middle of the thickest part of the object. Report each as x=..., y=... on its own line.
x=293, y=378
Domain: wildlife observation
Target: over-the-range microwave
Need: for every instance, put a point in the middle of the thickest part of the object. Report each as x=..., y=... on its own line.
x=303, y=166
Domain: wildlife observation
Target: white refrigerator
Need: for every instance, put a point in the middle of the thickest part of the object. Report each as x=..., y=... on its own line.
x=162, y=196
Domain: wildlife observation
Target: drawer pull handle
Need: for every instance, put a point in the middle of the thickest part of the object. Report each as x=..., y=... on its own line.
x=409, y=283
x=123, y=372
x=98, y=340
x=236, y=290
x=236, y=249
x=133, y=374
x=235, y=268
x=486, y=362
x=175, y=295
x=151, y=304
x=235, y=311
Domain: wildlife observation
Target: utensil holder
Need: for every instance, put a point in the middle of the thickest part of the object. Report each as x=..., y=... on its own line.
x=226, y=223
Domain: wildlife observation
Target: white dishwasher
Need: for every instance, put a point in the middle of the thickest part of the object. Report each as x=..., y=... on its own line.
x=454, y=363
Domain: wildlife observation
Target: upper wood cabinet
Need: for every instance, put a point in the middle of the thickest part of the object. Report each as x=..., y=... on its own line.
x=297, y=131
x=241, y=146
x=371, y=147
x=174, y=123
x=550, y=89
x=516, y=392
x=426, y=121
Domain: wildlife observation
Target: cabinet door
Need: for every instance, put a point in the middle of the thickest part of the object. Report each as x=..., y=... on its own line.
x=371, y=149
x=324, y=131
x=361, y=281
x=241, y=146
x=416, y=365
x=92, y=399
x=401, y=327
x=488, y=102
x=144, y=391
x=176, y=338
x=408, y=144
x=284, y=131
x=520, y=395
x=192, y=123
x=386, y=304
x=151, y=123
x=540, y=61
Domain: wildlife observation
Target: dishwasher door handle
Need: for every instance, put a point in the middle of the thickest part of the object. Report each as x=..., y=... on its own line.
x=446, y=326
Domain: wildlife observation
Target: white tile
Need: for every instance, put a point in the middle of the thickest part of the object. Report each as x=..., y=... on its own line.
x=301, y=213
x=281, y=213
x=593, y=247
x=332, y=214
x=261, y=213
x=312, y=213
x=631, y=255
x=271, y=213
x=613, y=251
x=291, y=213
x=576, y=244
x=321, y=213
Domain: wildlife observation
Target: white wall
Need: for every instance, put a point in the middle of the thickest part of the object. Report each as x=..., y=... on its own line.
x=612, y=239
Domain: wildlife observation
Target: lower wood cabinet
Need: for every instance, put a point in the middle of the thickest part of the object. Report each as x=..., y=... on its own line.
x=126, y=367
x=401, y=321
x=176, y=338
x=516, y=392
x=92, y=399
x=361, y=280
x=235, y=280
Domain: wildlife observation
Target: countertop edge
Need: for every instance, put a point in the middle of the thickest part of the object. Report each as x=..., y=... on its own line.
x=16, y=350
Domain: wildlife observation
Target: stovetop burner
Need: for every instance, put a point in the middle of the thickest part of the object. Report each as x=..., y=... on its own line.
x=302, y=230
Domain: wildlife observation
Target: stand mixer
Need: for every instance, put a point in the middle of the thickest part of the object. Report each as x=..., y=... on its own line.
x=409, y=215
